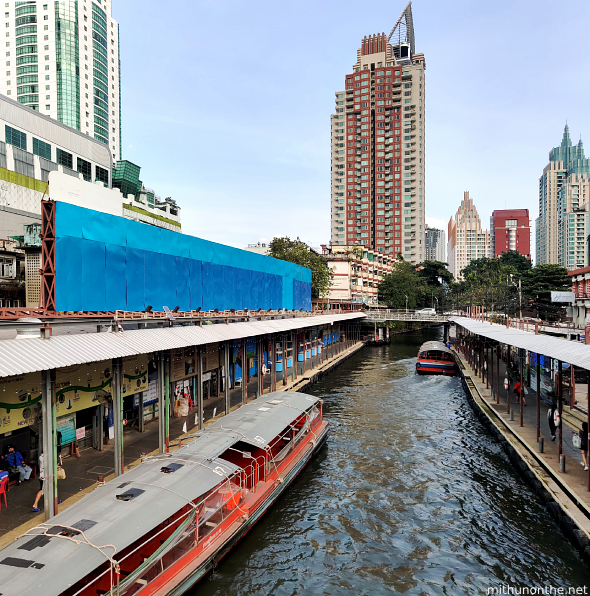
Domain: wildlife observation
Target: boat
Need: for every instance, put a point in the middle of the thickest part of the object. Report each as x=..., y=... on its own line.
x=434, y=358
x=160, y=527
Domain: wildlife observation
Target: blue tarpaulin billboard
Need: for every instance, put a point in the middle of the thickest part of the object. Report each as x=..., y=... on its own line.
x=105, y=263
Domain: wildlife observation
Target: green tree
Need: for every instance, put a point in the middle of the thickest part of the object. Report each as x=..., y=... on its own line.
x=296, y=251
x=402, y=282
x=538, y=284
x=518, y=262
x=431, y=271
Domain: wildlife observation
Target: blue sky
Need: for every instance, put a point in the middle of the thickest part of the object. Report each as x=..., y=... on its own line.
x=226, y=104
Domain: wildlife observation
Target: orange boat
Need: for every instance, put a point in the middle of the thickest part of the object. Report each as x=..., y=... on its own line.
x=160, y=527
x=434, y=358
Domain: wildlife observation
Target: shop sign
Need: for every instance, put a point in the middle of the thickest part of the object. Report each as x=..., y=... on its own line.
x=183, y=363
x=66, y=425
x=76, y=386
x=135, y=374
x=210, y=355
x=20, y=401
x=80, y=433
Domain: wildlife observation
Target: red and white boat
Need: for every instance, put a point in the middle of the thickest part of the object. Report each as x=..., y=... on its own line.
x=160, y=527
x=434, y=358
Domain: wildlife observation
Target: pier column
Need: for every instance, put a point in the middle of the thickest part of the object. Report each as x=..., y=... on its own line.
x=294, y=350
x=118, y=416
x=227, y=377
x=199, y=387
x=498, y=373
x=161, y=363
x=560, y=406
x=244, y=347
x=259, y=365
x=538, y=397
x=274, y=363
x=49, y=445
x=285, y=359
x=521, y=391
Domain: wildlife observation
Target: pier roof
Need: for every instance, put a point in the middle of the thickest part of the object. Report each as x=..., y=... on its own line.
x=20, y=356
x=560, y=349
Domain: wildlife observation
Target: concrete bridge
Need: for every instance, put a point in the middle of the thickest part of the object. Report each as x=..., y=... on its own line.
x=380, y=315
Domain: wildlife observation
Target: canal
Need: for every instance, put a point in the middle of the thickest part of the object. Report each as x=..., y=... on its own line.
x=410, y=495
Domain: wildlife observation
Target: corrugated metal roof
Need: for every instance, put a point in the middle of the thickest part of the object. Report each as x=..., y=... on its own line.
x=560, y=349
x=62, y=563
x=19, y=356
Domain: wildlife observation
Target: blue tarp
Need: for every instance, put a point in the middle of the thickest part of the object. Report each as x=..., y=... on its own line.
x=104, y=262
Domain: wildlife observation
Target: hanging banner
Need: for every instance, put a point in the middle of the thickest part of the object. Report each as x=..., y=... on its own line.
x=76, y=386
x=20, y=401
x=135, y=374
x=66, y=425
x=183, y=363
x=210, y=355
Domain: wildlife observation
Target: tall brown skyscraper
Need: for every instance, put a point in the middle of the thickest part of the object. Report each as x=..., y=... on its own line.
x=378, y=133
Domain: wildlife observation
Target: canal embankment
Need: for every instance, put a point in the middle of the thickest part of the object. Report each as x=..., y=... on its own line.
x=564, y=494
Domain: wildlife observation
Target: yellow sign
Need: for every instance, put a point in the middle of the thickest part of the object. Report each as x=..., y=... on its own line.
x=135, y=374
x=76, y=386
x=20, y=401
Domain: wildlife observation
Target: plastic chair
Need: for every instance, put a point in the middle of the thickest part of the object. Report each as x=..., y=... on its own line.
x=3, y=489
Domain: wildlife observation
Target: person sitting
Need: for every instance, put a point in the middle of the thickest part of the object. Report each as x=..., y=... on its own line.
x=17, y=464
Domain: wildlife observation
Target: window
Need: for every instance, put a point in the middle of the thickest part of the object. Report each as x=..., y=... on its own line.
x=16, y=137
x=65, y=159
x=102, y=175
x=85, y=168
x=42, y=149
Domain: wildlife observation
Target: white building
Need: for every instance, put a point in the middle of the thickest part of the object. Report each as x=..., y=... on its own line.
x=62, y=59
x=467, y=241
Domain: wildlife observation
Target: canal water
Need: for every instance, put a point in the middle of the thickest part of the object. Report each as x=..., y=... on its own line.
x=410, y=495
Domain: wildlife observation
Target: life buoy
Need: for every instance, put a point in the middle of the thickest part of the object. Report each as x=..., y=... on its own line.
x=556, y=418
x=264, y=369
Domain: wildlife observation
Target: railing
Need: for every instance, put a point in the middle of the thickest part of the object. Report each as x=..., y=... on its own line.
x=403, y=315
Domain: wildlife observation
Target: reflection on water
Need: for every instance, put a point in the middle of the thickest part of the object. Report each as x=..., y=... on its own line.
x=410, y=495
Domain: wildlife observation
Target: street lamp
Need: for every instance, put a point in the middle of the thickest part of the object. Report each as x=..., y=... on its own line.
x=406, y=305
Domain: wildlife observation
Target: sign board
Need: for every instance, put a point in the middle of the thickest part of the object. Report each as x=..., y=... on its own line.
x=20, y=401
x=210, y=355
x=135, y=374
x=76, y=386
x=567, y=297
x=183, y=363
x=80, y=433
x=66, y=425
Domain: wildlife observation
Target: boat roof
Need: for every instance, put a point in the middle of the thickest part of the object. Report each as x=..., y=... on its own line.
x=439, y=346
x=32, y=565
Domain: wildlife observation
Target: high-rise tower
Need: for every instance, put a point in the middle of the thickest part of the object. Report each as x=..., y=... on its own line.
x=62, y=59
x=378, y=158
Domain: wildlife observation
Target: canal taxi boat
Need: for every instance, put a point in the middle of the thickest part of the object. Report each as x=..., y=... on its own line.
x=434, y=358
x=160, y=527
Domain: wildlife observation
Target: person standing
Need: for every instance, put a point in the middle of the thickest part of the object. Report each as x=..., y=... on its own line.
x=551, y=419
x=35, y=508
x=583, y=434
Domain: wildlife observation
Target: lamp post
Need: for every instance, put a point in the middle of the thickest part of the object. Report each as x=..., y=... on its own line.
x=406, y=305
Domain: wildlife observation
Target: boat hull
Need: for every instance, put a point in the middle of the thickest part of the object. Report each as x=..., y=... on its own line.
x=177, y=580
x=436, y=368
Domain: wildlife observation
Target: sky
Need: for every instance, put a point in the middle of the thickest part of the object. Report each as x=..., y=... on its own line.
x=226, y=104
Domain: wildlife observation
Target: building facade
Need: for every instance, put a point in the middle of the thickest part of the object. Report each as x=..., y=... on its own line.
x=510, y=229
x=467, y=240
x=435, y=245
x=378, y=140
x=562, y=226
x=62, y=59
x=358, y=271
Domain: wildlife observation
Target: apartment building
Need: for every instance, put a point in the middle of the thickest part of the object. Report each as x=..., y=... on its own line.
x=467, y=240
x=510, y=229
x=435, y=245
x=62, y=60
x=358, y=271
x=378, y=140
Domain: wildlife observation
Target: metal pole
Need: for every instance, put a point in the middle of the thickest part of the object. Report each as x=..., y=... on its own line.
x=118, y=417
x=140, y=408
x=538, y=397
x=274, y=362
x=259, y=364
x=167, y=366
x=498, y=374
x=226, y=384
x=244, y=346
x=559, y=371
x=572, y=386
x=521, y=390
x=49, y=445
x=161, y=403
x=200, y=387
x=294, y=348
